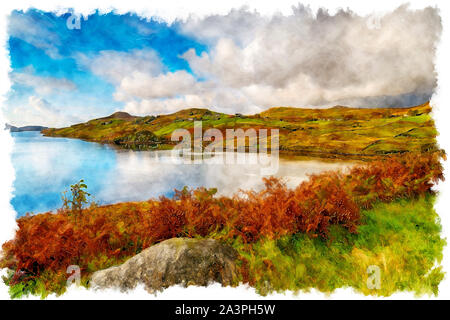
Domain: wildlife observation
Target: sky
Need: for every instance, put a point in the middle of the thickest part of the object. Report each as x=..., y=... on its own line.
x=66, y=70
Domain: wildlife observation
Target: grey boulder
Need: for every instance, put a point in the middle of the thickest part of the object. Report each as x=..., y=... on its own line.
x=175, y=261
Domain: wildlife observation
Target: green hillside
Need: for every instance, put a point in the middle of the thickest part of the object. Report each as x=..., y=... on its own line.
x=338, y=132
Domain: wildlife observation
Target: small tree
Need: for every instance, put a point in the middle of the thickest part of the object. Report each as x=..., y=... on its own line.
x=74, y=205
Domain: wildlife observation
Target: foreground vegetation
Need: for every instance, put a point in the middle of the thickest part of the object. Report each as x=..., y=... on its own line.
x=401, y=238
x=338, y=132
x=322, y=234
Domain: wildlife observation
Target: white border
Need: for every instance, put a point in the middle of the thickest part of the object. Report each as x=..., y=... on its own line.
x=169, y=10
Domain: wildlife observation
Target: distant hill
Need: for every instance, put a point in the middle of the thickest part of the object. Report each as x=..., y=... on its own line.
x=119, y=115
x=25, y=128
x=338, y=132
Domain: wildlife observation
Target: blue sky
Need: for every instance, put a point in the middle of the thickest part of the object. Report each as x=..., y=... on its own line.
x=51, y=50
x=239, y=62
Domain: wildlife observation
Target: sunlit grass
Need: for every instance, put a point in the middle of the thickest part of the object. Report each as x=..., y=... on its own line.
x=401, y=238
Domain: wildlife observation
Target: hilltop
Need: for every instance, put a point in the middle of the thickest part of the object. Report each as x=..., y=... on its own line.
x=338, y=132
x=24, y=128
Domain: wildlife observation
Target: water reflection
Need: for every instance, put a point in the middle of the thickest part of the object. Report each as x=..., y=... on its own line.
x=47, y=166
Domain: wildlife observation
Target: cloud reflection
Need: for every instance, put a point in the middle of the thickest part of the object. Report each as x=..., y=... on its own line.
x=47, y=166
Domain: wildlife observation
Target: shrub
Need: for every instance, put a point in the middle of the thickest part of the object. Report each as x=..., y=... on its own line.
x=79, y=197
x=408, y=175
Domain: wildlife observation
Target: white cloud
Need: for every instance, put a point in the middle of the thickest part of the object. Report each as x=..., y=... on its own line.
x=41, y=85
x=115, y=66
x=38, y=111
x=143, y=83
x=238, y=24
x=37, y=33
x=225, y=100
x=146, y=86
x=163, y=106
x=304, y=59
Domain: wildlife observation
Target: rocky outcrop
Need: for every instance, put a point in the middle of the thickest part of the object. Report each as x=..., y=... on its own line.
x=175, y=261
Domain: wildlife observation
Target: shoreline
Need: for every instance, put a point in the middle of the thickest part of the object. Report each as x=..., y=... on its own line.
x=300, y=155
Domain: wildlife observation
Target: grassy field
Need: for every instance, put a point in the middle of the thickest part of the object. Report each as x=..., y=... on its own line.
x=338, y=132
x=401, y=238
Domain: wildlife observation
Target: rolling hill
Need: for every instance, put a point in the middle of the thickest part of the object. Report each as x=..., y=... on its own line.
x=338, y=132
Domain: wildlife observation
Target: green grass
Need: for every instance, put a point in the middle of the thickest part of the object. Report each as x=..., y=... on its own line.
x=401, y=238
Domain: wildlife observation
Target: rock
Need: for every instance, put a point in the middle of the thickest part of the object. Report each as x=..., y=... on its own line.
x=175, y=261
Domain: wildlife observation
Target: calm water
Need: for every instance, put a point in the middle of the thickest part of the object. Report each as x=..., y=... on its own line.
x=47, y=166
